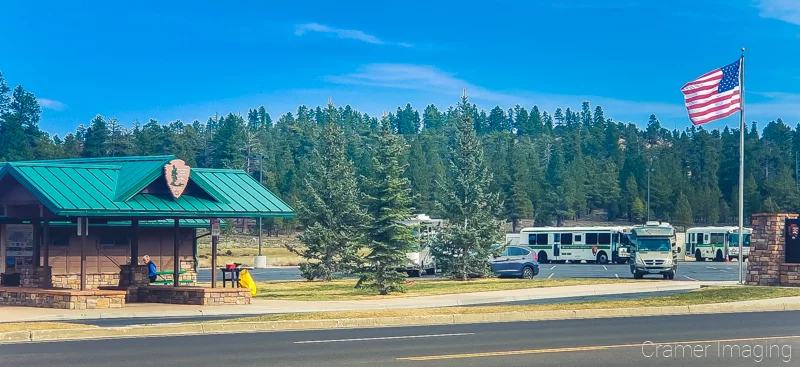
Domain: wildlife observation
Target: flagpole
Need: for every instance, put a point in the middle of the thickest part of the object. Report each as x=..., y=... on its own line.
x=741, y=167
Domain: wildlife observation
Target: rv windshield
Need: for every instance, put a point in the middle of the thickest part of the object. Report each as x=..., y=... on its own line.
x=653, y=244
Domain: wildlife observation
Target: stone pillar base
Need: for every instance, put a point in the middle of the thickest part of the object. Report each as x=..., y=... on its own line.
x=133, y=275
x=36, y=277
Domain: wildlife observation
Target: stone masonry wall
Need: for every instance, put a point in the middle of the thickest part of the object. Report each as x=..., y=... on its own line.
x=36, y=277
x=93, y=281
x=767, y=249
x=133, y=275
x=195, y=295
x=61, y=299
x=790, y=275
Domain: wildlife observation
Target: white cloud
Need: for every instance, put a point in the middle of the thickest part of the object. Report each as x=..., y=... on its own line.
x=418, y=77
x=355, y=34
x=772, y=105
x=51, y=104
x=785, y=10
x=432, y=80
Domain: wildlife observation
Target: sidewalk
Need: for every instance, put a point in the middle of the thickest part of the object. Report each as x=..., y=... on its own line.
x=263, y=306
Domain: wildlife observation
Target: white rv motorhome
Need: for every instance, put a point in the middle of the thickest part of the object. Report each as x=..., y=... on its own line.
x=425, y=229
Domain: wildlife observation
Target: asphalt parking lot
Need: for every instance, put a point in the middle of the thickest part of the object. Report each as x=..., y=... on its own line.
x=687, y=271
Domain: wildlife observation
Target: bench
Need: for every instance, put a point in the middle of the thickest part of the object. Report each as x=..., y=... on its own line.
x=164, y=281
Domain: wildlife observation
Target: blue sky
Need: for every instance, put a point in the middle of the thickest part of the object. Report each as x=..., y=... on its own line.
x=189, y=59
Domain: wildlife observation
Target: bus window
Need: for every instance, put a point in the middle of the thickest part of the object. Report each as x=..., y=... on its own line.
x=556, y=237
x=591, y=238
x=717, y=238
x=735, y=240
x=578, y=238
x=691, y=238
x=531, y=239
x=604, y=239
x=566, y=238
x=700, y=239
x=541, y=239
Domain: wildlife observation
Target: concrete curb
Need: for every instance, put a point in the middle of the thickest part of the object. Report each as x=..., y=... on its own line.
x=288, y=325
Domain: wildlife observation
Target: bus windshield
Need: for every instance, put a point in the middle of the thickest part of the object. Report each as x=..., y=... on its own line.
x=735, y=240
x=653, y=244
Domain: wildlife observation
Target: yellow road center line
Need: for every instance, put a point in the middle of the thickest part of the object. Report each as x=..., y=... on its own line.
x=583, y=349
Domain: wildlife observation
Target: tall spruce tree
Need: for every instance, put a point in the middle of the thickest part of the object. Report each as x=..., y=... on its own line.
x=96, y=138
x=683, y=211
x=389, y=203
x=19, y=126
x=466, y=243
x=331, y=210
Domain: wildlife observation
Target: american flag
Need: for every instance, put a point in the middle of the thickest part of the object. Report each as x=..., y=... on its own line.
x=713, y=95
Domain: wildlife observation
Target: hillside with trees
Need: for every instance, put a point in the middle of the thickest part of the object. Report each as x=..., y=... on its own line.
x=546, y=166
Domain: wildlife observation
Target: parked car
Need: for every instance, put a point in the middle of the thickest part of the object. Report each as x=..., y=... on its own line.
x=516, y=261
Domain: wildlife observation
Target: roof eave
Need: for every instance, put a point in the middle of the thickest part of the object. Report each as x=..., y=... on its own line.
x=173, y=214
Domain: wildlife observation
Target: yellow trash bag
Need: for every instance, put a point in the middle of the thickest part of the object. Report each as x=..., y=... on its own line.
x=246, y=281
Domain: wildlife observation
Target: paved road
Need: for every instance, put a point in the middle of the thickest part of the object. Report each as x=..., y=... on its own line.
x=696, y=340
x=687, y=271
x=127, y=321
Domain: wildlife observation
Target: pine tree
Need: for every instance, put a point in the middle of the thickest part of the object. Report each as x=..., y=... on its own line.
x=536, y=121
x=522, y=121
x=466, y=244
x=683, y=211
x=518, y=201
x=638, y=209
x=119, y=141
x=631, y=193
x=497, y=119
x=555, y=200
x=432, y=118
x=96, y=138
x=408, y=122
x=228, y=143
x=19, y=125
x=419, y=175
x=770, y=206
x=330, y=210
x=389, y=203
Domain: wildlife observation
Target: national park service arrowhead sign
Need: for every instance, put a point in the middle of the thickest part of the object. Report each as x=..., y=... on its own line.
x=177, y=174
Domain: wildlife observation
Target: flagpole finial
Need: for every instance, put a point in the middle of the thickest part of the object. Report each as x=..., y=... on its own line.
x=742, y=49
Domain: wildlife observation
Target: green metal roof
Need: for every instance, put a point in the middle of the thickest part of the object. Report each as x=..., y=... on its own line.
x=113, y=187
x=135, y=173
x=185, y=223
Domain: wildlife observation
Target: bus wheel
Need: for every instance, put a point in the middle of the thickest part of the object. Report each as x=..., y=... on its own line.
x=542, y=257
x=697, y=256
x=602, y=258
x=719, y=257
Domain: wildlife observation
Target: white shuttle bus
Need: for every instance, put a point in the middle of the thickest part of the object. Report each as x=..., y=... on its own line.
x=575, y=244
x=716, y=243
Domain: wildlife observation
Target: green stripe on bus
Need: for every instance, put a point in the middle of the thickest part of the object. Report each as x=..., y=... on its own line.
x=583, y=247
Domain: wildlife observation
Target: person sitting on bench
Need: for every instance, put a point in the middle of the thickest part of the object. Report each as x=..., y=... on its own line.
x=151, y=268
